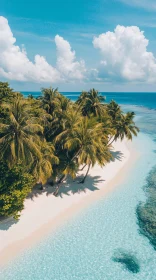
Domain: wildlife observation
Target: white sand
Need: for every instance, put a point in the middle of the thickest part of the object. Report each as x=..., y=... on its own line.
x=45, y=211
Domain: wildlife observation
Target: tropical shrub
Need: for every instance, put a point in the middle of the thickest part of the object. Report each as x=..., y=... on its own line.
x=15, y=185
x=51, y=137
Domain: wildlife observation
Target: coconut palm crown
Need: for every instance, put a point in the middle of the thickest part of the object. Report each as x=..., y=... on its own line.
x=91, y=102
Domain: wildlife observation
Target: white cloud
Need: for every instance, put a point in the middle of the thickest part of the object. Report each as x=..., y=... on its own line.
x=146, y=4
x=66, y=60
x=125, y=56
x=15, y=64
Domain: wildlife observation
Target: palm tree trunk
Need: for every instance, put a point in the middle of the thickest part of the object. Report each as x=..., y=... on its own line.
x=63, y=176
x=61, y=179
x=55, y=193
x=83, y=180
x=59, y=185
x=76, y=155
x=111, y=141
x=41, y=186
x=83, y=167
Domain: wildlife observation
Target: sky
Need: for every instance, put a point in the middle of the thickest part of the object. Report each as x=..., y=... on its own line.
x=78, y=44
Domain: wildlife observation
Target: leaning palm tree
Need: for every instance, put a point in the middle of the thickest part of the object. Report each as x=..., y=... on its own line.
x=88, y=144
x=114, y=115
x=92, y=144
x=19, y=134
x=125, y=127
x=114, y=110
x=91, y=103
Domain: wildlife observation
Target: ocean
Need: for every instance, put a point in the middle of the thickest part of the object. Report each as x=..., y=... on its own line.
x=147, y=99
x=84, y=247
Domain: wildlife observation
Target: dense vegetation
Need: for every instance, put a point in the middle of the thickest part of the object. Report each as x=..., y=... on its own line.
x=147, y=211
x=15, y=185
x=51, y=137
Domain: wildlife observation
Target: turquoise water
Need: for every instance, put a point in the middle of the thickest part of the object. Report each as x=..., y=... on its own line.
x=146, y=99
x=83, y=247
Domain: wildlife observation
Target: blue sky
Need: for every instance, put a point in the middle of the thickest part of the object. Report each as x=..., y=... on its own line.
x=78, y=60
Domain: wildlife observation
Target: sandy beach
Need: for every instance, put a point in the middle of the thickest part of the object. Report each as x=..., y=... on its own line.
x=44, y=212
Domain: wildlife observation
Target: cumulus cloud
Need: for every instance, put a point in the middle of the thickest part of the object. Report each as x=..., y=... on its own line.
x=125, y=56
x=66, y=60
x=15, y=64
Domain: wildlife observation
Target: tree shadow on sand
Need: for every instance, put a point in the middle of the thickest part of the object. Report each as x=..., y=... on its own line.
x=73, y=187
x=68, y=187
x=5, y=224
x=117, y=155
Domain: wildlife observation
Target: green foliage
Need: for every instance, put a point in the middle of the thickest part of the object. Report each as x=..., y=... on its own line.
x=5, y=92
x=50, y=99
x=52, y=136
x=15, y=185
x=19, y=134
x=91, y=103
x=122, y=125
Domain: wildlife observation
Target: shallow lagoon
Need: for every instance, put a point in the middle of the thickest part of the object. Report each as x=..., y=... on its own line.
x=83, y=248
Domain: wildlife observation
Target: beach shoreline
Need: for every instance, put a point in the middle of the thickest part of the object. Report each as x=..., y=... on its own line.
x=45, y=214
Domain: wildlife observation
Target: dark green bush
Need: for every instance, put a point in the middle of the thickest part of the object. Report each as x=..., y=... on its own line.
x=15, y=185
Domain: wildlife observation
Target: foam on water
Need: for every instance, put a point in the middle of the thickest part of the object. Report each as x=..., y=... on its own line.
x=83, y=248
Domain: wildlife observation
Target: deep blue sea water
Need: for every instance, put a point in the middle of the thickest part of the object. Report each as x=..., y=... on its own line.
x=83, y=247
x=147, y=99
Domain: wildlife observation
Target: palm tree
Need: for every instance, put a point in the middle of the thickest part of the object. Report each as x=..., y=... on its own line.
x=30, y=96
x=69, y=121
x=82, y=100
x=93, y=147
x=64, y=104
x=57, y=123
x=50, y=99
x=115, y=114
x=68, y=166
x=114, y=110
x=87, y=143
x=91, y=103
x=125, y=127
x=42, y=168
x=36, y=110
x=19, y=134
